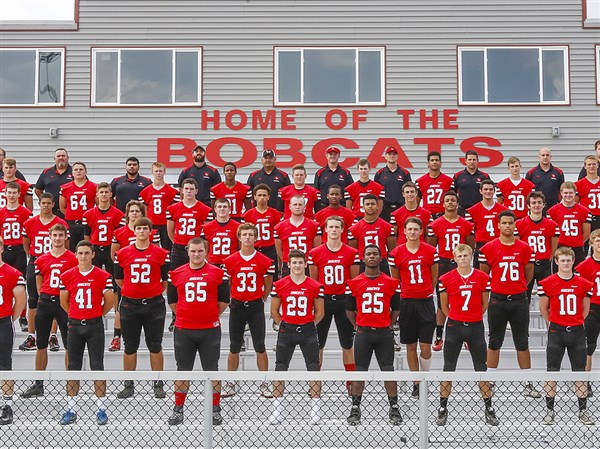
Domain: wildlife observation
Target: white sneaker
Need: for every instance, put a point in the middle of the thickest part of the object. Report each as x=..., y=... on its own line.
x=530, y=391
x=584, y=418
x=265, y=390
x=276, y=418
x=315, y=417
x=229, y=389
x=549, y=418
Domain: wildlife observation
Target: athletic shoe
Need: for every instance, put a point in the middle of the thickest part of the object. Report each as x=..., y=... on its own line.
x=442, y=417
x=438, y=344
x=394, y=415
x=101, y=417
x=397, y=346
x=217, y=419
x=315, y=417
x=584, y=418
x=229, y=389
x=115, y=344
x=68, y=417
x=159, y=390
x=53, y=343
x=7, y=416
x=265, y=390
x=23, y=323
x=415, y=391
x=127, y=391
x=354, y=418
x=172, y=325
x=35, y=390
x=530, y=391
x=28, y=344
x=177, y=417
x=549, y=418
x=243, y=347
x=490, y=417
x=276, y=418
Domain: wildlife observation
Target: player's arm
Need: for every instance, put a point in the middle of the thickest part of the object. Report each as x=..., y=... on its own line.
x=268, y=286
x=38, y=192
x=553, y=244
x=351, y=309
x=586, y=306
x=434, y=273
x=223, y=297
x=444, y=302
x=62, y=204
x=279, y=251
x=390, y=241
x=109, y=300
x=171, y=229
x=313, y=272
x=528, y=272
x=545, y=308
x=26, y=244
x=317, y=241
x=483, y=266
x=353, y=242
x=586, y=228
x=275, y=305
x=470, y=240
x=114, y=247
x=164, y=275
x=349, y=203
x=485, y=301
x=354, y=271
x=20, y=301
x=28, y=202
x=247, y=204
x=319, y=309
x=64, y=300
x=394, y=271
x=432, y=240
x=394, y=308
x=119, y=274
x=38, y=282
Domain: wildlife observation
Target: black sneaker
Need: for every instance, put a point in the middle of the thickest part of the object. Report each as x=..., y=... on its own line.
x=53, y=343
x=177, y=417
x=394, y=415
x=6, y=417
x=127, y=391
x=490, y=417
x=354, y=418
x=159, y=391
x=442, y=417
x=35, y=390
x=172, y=325
x=415, y=392
x=23, y=323
x=28, y=344
x=216, y=417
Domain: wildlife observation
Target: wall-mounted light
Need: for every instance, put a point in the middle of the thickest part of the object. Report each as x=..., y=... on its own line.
x=53, y=132
x=555, y=131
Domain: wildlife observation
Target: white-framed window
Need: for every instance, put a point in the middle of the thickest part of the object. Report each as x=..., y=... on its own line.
x=147, y=76
x=591, y=13
x=32, y=76
x=39, y=15
x=513, y=75
x=597, y=53
x=329, y=76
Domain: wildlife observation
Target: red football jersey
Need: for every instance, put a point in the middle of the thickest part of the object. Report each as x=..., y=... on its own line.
x=9, y=278
x=449, y=234
x=373, y=299
x=51, y=267
x=589, y=194
x=310, y=194
x=197, y=296
x=343, y=212
x=235, y=195
x=432, y=191
x=538, y=235
x=296, y=237
x=142, y=277
x=38, y=234
x=222, y=240
x=465, y=294
x=297, y=300
x=357, y=192
x=86, y=291
x=102, y=224
x=375, y=233
x=157, y=201
x=570, y=223
x=247, y=275
x=515, y=195
x=265, y=223
x=414, y=270
x=566, y=298
x=25, y=190
x=11, y=223
x=400, y=215
x=188, y=220
x=507, y=265
x=334, y=267
x=125, y=236
x=590, y=270
x=485, y=221
x=79, y=198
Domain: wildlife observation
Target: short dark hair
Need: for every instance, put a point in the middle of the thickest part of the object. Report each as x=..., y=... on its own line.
x=85, y=243
x=415, y=220
x=472, y=153
x=334, y=186
x=369, y=196
x=230, y=164
x=46, y=195
x=434, y=153
x=506, y=213
x=296, y=254
x=197, y=241
x=132, y=159
x=486, y=182
x=450, y=193
x=535, y=194
x=142, y=221
x=370, y=246
x=261, y=186
x=191, y=181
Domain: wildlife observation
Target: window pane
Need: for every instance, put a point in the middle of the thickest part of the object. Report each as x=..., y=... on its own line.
x=472, y=76
x=17, y=77
x=146, y=76
x=553, y=73
x=329, y=76
x=289, y=76
x=106, y=77
x=513, y=75
x=50, y=86
x=186, y=76
x=369, y=76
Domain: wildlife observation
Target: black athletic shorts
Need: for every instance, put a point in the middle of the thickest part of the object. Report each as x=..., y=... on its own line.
x=253, y=313
x=416, y=320
x=148, y=314
x=189, y=342
x=335, y=309
x=82, y=332
x=165, y=241
x=292, y=335
x=103, y=260
x=15, y=256
x=504, y=309
x=571, y=338
x=459, y=332
x=541, y=270
x=7, y=337
x=592, y=328
x=48, y=310
x=378, y=340
x=32, y=293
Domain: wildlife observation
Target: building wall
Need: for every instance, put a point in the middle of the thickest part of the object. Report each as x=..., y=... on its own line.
x=238, y=38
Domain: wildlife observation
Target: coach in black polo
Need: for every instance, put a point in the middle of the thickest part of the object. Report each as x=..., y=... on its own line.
x=205, y=175
x=547, y=178
x=128, y=187
x=270, y=175
x=53, y=177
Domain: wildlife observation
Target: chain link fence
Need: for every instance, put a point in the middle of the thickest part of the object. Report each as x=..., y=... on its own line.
x=303, y=417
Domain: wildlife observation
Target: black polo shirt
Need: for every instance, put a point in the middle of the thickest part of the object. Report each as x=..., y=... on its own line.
x=275, y=180
x=125, y=189
x=50, y=181
x=392, y=182
x=206, y=177
x=467, y=187
x=547, y=182
x=326, y=177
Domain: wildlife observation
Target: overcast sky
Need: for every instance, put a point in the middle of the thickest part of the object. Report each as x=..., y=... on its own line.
x=46, y=10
